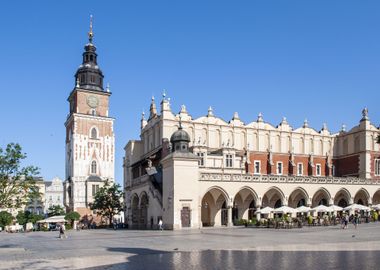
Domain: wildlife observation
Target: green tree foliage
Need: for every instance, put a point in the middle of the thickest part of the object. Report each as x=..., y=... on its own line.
x=24, y=217
x=72, y=216
x=5, y=219
x=108, y=201
x=17, y=184
x=56, y=210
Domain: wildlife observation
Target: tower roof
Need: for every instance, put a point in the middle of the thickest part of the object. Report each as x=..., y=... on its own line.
x=180, y=135
x=89, y=76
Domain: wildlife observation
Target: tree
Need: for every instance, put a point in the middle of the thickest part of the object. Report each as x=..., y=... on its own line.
x=56, y=210
x=17, y=184
x=5, y=218
x=108, y=201
x=72, y=216
x=24, y=217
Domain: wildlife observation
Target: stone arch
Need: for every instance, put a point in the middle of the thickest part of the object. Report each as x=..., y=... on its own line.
x=135, y=205
x=362, y=197
x=214, y=207
x=342, y=198
x=244, y=205
x=321, y=196
x=94, y=132
x=144, y=204
x=273, y=197
x=376, y=197
x=298, y=197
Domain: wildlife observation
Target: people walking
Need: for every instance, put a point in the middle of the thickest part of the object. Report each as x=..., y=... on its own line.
x=62, y=231
x=160, y=225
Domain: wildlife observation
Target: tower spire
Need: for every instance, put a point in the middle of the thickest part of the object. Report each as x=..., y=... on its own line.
x=90, y=33
x=89, y=74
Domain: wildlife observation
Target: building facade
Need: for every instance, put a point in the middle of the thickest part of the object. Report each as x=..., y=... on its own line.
x=233, y=169
x=37, y=205
x=53, y=193
x=90, y=140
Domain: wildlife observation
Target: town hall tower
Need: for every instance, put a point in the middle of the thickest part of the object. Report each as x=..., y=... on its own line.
x=90, y=140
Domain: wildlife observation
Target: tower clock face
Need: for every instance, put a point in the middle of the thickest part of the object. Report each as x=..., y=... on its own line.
x=92, y=101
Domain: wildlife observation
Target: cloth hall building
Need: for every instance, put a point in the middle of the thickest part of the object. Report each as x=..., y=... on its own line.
x=209, y=172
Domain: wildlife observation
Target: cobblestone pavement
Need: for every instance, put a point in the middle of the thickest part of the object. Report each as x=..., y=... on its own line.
x=223, y=248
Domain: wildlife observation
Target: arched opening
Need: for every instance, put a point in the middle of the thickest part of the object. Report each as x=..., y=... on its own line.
x=376, y=198
x=273, y=198
x=342, y=203
x=362, y=197
x=144, y=211
x=214, y=208
x=93, y=167
x=321, y=197
x=244, y=205
x=94, y=133
x=135, y=211
x=298, y=198
x=342, y=198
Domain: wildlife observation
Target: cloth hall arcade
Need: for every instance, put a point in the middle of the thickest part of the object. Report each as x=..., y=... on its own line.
x=194, y=172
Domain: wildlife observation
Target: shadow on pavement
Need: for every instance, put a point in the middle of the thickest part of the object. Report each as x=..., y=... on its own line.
x=227, y=259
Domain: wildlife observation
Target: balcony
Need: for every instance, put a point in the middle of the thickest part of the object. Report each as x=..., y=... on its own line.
x=238, y=177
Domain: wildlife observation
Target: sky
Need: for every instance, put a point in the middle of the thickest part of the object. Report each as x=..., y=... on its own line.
x=318, y=60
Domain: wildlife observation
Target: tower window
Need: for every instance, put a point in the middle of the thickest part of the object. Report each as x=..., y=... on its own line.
x=257, y=166
x=91, y=58
x=377, y=167
x=86, y=58
x=299, y=169
x=318, y=170
x=94, y=133
x=95, y=189
x=201, y=161
x=229, y=159
x=93, y=167
x=92, y=78
x=279, y=168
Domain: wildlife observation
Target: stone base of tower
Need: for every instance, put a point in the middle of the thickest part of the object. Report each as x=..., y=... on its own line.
x=87, y=217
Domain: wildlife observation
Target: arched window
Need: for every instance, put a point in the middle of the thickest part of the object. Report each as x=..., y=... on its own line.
x=93, y=167
x=94, y=133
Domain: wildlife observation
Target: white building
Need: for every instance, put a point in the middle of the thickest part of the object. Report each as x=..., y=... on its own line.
x=232, y=169
x=53, y=193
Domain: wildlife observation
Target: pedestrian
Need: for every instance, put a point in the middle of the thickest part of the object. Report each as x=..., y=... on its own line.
x=346, y=218
x=356, y=220
x=62, y=230
x=160, y=225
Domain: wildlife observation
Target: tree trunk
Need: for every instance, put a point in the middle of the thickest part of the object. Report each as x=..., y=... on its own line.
x=111, y=220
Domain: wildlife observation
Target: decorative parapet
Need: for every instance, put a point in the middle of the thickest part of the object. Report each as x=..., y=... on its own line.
x=139, y=180
x=235, y=177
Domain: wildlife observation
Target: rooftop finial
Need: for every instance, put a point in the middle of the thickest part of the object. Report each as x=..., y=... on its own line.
x=90, y=33
x=163, y=94
x=77, y=85
x=365, y=114
x=260, y=117
x=180, y=122
x=108, y=88
x=210, y=112
x=305, y=124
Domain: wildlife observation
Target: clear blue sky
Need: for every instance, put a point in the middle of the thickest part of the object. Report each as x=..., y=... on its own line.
x=318, y=60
